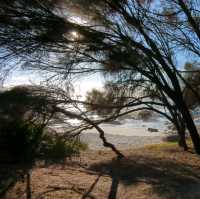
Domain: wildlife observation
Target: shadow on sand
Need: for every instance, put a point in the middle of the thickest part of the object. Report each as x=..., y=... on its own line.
x=12, y=173
x=168, y=179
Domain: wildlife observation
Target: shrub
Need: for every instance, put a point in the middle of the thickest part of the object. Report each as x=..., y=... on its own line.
x=25, y=142
x=171, y=138
x=56, y=147
x=21, y=140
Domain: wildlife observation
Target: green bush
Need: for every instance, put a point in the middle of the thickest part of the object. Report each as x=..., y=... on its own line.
x=171, y=138
x=25, y=142
x=21, y=140
x=56, y=147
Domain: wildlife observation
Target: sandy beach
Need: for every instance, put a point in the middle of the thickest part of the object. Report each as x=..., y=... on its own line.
x=123, y=136
x=120, y=141
x=131, y=133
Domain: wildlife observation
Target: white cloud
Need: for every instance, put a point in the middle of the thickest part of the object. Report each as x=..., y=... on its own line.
x=81, y=85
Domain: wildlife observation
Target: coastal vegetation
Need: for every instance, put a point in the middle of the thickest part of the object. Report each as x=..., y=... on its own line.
x=138, y=47
x=135, y=43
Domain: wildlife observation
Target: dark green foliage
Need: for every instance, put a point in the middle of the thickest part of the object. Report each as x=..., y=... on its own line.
x=56, y=147
x=21, y=140
x=191, y=92
x=108, y=101
x=28, y=23
x=25, y=142
x=25, y=103
x=25, y=112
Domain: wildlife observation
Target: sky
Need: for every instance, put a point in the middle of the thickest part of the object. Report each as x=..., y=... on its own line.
x=21, y=77
x=82, y=86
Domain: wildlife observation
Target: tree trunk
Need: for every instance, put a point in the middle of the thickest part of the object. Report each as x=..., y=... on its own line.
x=191, y=127
x=180, y=126
x=182, y=141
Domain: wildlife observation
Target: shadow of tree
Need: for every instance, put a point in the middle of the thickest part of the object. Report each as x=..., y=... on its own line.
x=12, y=173
x=71, y=187
x=168, y=178
x=87, y=193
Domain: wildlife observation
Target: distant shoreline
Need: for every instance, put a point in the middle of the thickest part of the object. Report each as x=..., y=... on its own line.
x=120, y=141
x=128, y=130
x=125, y=137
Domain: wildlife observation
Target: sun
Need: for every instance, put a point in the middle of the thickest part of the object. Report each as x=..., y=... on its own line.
x=74, y=35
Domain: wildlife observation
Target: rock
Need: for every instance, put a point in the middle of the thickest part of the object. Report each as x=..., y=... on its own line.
x=152, y=130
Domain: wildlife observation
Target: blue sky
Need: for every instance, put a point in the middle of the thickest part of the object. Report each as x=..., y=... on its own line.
x=21, y=77
x=81, y=86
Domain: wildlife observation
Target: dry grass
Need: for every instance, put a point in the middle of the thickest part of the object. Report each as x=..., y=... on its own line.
x=154, y=172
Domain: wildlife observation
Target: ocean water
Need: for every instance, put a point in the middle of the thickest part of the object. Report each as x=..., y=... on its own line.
x=129, y=126
x=155, y=122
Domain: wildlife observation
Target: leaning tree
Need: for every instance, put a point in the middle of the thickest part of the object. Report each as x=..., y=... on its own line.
x=119, y=98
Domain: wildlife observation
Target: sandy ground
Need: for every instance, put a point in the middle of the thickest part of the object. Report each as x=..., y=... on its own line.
x=127, y=130
x=120, y=141
x=147, y=173
x=122, y=137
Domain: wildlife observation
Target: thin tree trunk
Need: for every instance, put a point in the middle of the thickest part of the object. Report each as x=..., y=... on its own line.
x=191, y=127
x=101, y=132
x=106, y=143
x=180, y=126
x=182, y=140
x=191, y=19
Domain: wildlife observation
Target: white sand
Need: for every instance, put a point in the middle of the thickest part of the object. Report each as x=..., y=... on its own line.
x=122, y=137
x=127, y=130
